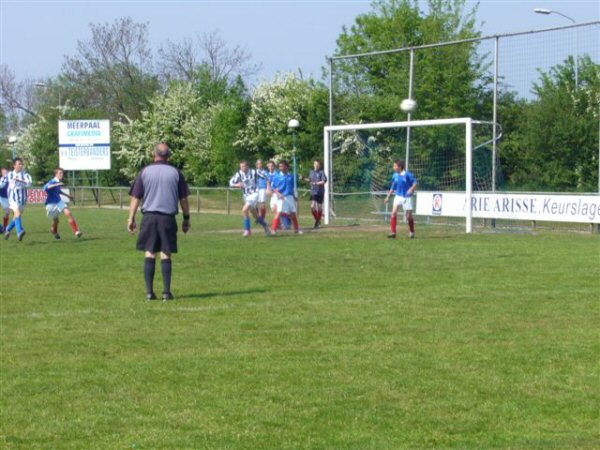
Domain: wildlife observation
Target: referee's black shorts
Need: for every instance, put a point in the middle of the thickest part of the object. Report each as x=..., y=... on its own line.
x=317, y=197
x=158, y=233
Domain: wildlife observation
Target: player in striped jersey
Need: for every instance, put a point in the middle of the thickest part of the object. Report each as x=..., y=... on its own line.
x=286, y=195
x=18, y=182
x=262, y=181
x=55, y=204
x=246, y=180
x=4, y=199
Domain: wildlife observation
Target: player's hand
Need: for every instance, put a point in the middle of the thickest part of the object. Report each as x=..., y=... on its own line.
x=185, y=226
x=131, y=226
x=387, y=200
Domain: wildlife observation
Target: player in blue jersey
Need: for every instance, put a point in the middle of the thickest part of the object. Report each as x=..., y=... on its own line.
x=272, y=175
x=262, y=180
x=286, y=203
x=4, y=199
x=403, y=185
x=55, y=204
x=18, y=182
x=246, y=180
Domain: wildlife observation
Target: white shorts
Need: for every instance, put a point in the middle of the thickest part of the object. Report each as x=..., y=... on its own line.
x=262, y=196
x=4, y=203
x=286, y=205
x=53, y=210
x=273, y=203
x=251, y=199
x=15, y=206
x=405, y=202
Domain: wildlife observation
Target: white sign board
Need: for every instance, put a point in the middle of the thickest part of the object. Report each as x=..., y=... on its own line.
x=84, y=144
x=582, y=208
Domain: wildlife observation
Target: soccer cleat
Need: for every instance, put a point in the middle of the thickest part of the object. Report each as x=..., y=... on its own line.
x=392, y=236
x=246, y=233
x=56, y=236
x=151, y=296
x=6, y=235
x=20, y=235
x=299, y=232
x=412, y=235
x=167, y=296
x=78, y=234
x=316, y=225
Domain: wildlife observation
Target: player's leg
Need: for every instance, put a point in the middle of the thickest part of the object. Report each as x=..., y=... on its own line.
x=72, y=222
x=17, y=220
x=149, y=270
x=257, y=214
x=314, y=210
x=289, y=208
x=247, y=224
x=409, y=216
x=166, y=267
x=277, y=218
x=394, y=218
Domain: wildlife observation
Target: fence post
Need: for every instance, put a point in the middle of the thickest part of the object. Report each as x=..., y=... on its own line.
x=198, y=199
x=120, y=198
x=99, y=197
x=81, y=196
x=228, y=201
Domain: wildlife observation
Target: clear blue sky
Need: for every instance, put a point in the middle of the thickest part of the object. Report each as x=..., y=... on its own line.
x=281, y=35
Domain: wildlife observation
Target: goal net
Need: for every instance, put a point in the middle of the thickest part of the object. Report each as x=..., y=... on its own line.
x=446, y=155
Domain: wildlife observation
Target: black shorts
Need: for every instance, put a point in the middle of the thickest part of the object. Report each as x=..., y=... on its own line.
x=317, y=198
x=158, y=233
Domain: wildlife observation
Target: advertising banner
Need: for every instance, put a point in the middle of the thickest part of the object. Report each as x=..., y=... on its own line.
x=84, y=144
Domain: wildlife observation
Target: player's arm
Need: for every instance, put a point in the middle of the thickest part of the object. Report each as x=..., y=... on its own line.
x=236, y=181
x=133, y=207
x=49, y=186
x=390, y=192
x=185, y=209
x=413, y=188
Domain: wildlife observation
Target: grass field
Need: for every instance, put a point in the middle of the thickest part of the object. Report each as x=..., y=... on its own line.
x=333, y=340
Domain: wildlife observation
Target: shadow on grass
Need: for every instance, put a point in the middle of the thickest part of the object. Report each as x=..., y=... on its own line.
x=221, y=294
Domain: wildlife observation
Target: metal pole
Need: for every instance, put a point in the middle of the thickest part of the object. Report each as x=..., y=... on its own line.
x=295, y=168
x=495, y=115
x=410, y=93
x=330, y=91
x=469, y=179
x=14, y=151
x=326, y=162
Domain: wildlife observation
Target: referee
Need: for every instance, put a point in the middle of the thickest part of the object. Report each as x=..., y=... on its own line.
x=159, y=187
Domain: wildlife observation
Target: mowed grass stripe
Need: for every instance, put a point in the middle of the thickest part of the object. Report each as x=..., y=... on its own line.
x=327, y=340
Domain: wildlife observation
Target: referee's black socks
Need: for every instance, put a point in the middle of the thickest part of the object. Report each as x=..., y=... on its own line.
x=149, y=268
x=165, y=265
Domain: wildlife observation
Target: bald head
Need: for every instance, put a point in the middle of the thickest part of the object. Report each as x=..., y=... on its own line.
x=162, y=151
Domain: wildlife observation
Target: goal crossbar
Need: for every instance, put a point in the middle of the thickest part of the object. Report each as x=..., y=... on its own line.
x=466, y=121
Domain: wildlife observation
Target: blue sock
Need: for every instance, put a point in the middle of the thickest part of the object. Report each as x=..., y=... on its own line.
x=247, y=223
x=10, y=226
x=261, y=221
x=19, y=224
x=287, y=223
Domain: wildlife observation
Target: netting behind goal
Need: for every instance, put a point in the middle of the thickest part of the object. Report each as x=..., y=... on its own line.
x=361, y=160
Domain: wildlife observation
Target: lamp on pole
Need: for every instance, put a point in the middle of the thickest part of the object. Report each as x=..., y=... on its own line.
x=293, y=125
x=551, y=11
x=13, y=141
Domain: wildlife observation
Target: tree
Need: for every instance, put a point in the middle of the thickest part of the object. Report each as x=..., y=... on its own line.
x=17, y=97
x=556, y=145
x=113, y=70
x=272, y=105
x=181, y=60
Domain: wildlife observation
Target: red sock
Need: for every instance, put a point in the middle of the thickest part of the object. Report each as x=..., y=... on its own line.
x=393, y=224
x=5, y=220
x=263, y=212
x=319, y=215
x=54, y=227
x=315, y=214
x=73, y=225
x=411, y=225
x=276, y=221
x=295, y=222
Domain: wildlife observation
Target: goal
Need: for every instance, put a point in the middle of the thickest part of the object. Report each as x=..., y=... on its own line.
x=358, y=162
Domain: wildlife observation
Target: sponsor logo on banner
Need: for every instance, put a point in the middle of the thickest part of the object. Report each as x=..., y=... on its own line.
x=36, y=196
x=437, y=205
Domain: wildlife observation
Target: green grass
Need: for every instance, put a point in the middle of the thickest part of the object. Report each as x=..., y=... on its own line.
x=331, y=340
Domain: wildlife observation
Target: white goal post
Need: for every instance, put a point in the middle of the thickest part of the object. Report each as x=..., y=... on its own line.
x=466, y=121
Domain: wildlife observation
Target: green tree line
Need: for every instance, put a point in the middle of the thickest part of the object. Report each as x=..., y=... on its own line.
x=199, y=95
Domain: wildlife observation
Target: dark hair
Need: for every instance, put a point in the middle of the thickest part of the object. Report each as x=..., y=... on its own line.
x=319, y=161
x=285, y=163
x=399, y=163
x=270, y=162
x=17, y=159
x=243, y=161
x=57, y=169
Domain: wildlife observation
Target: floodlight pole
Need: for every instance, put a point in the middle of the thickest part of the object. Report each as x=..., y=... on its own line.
x=293, y=125
x=13, y=140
